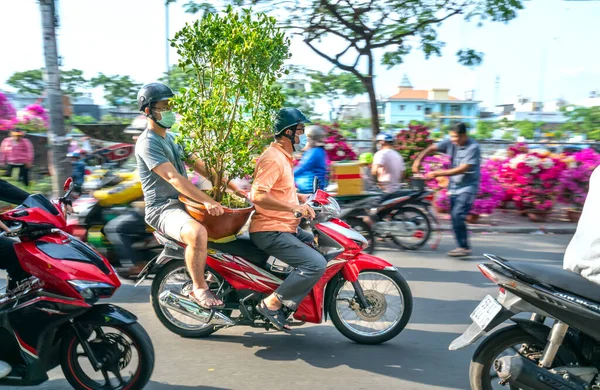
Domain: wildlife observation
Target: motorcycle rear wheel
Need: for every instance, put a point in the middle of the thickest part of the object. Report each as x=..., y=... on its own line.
x=202, y=330
x=481, y=372
x=425, y=229
x=379, y=302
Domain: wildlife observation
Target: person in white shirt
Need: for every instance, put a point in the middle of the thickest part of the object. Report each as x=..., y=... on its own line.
x=583, y=253
x=388, y=165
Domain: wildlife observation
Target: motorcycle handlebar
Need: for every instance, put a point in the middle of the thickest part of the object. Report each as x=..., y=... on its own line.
x=14, y=230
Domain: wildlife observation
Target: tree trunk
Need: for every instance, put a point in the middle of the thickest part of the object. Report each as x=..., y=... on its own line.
x=368, y=82
x=56, y=134
x=370, y=85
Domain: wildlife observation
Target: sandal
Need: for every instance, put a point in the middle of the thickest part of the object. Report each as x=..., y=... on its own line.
x=203, y=297
x=276, y=317
x=459, y=252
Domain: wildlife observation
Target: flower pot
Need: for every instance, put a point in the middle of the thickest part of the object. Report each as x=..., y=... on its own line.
x=472, y=218
x=573, y=215
x=538, y=215
x=225, y=225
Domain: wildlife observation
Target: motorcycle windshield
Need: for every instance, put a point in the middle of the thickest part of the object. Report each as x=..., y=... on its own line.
x=41, y=202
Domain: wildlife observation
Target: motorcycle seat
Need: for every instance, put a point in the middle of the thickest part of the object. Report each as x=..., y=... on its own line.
x=560, y=278
x=242, y=247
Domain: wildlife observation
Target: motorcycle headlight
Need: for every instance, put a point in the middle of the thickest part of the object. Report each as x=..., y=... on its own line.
x=90, y=290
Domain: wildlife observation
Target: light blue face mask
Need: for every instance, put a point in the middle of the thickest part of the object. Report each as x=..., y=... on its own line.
x=168, y=119
x=302, y=143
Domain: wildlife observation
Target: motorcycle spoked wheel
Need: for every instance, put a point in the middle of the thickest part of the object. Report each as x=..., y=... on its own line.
x=482, y=375
x=176, y=324
x=356, y=325
x=422, y=233
x=129, y=345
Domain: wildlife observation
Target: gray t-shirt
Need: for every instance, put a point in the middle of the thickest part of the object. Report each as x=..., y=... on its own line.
x=152, y=150
x=469, y=153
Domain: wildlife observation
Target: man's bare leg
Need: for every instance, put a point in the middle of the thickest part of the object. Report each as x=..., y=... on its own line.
x=195, y=237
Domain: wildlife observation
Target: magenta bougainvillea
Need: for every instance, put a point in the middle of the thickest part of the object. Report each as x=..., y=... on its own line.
x=489, y=196
x=574, y=181
x=410, y=142
x=7, y=113
x=337, y=147
x=33, y=118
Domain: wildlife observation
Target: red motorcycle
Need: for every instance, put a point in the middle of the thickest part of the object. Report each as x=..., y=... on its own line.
x=49, y=315
x=366, y=297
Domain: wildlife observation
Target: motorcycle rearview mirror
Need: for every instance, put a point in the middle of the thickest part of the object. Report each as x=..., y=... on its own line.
x=315, y=184
x=68, y=184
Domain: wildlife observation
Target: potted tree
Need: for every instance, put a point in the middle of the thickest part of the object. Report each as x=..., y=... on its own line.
x=232, y=62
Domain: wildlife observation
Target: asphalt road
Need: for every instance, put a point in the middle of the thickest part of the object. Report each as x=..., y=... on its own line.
x=445, y=292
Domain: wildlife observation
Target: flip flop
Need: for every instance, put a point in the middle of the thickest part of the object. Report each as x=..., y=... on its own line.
x=203, y=297
x=276, y=317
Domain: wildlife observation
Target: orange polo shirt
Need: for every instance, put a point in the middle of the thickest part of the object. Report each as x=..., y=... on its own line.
x=274, y=174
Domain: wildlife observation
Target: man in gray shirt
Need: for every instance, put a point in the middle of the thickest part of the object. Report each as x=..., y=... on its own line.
x=464, y=176
x=163, y=177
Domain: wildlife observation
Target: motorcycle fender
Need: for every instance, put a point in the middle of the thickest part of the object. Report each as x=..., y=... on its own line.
x=361, y=262
x=474, y=332
x=107, y=314
x=329, y=290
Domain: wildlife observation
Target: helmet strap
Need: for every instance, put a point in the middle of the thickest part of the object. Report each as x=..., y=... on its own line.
x=291, y=137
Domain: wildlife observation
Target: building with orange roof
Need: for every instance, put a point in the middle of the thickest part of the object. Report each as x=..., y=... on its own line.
x=433, y=105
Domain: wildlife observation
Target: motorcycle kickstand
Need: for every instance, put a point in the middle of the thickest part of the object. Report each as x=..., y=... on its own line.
x=362, y=300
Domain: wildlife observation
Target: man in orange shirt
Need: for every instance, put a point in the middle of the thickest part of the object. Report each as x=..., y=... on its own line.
x=274, y=227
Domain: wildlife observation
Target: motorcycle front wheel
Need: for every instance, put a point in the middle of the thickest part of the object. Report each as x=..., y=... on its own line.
x=126, y=353
x=390, y=307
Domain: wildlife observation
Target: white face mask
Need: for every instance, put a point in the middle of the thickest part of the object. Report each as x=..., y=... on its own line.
x=301, y=143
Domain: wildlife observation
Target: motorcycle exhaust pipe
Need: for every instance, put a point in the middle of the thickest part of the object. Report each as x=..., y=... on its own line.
x=523, y=373
x=184, y=305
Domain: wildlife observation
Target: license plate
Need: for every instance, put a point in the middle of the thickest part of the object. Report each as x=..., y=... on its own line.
x=485, y=312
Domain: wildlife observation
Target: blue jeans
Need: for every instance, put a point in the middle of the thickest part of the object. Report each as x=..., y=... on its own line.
x=460, y=205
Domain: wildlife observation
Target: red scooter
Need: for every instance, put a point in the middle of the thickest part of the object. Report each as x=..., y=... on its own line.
x=49, y=315
x=366, y=297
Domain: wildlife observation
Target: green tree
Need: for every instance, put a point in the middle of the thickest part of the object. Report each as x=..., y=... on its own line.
x=227, y=115
x=119, y=91
x=391, y=26
x=526, y=128
x=485, y=129
x=583, y=120
x=28, y=82
x=176, y=78
x=32, y=82
x=334, y=87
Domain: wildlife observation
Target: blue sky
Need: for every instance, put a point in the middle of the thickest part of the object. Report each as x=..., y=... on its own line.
x=128, y=37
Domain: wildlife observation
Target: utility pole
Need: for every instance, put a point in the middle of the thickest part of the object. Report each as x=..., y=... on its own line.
x=167, y=34
x=57, y=162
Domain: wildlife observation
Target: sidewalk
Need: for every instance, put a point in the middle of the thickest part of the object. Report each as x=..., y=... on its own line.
x=511, y=221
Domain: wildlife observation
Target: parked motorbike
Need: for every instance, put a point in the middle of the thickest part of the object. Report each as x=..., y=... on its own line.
x=366, y=297
x=404, y=216
x=557, y=348
x=50, y=316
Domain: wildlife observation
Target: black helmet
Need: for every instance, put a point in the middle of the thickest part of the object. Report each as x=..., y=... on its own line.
x=288, y=117
x=152, y=93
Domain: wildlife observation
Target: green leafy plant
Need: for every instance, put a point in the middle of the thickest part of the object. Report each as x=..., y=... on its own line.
x=230, y=104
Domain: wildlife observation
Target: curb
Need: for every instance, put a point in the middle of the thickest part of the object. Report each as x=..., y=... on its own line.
x=517, y=229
